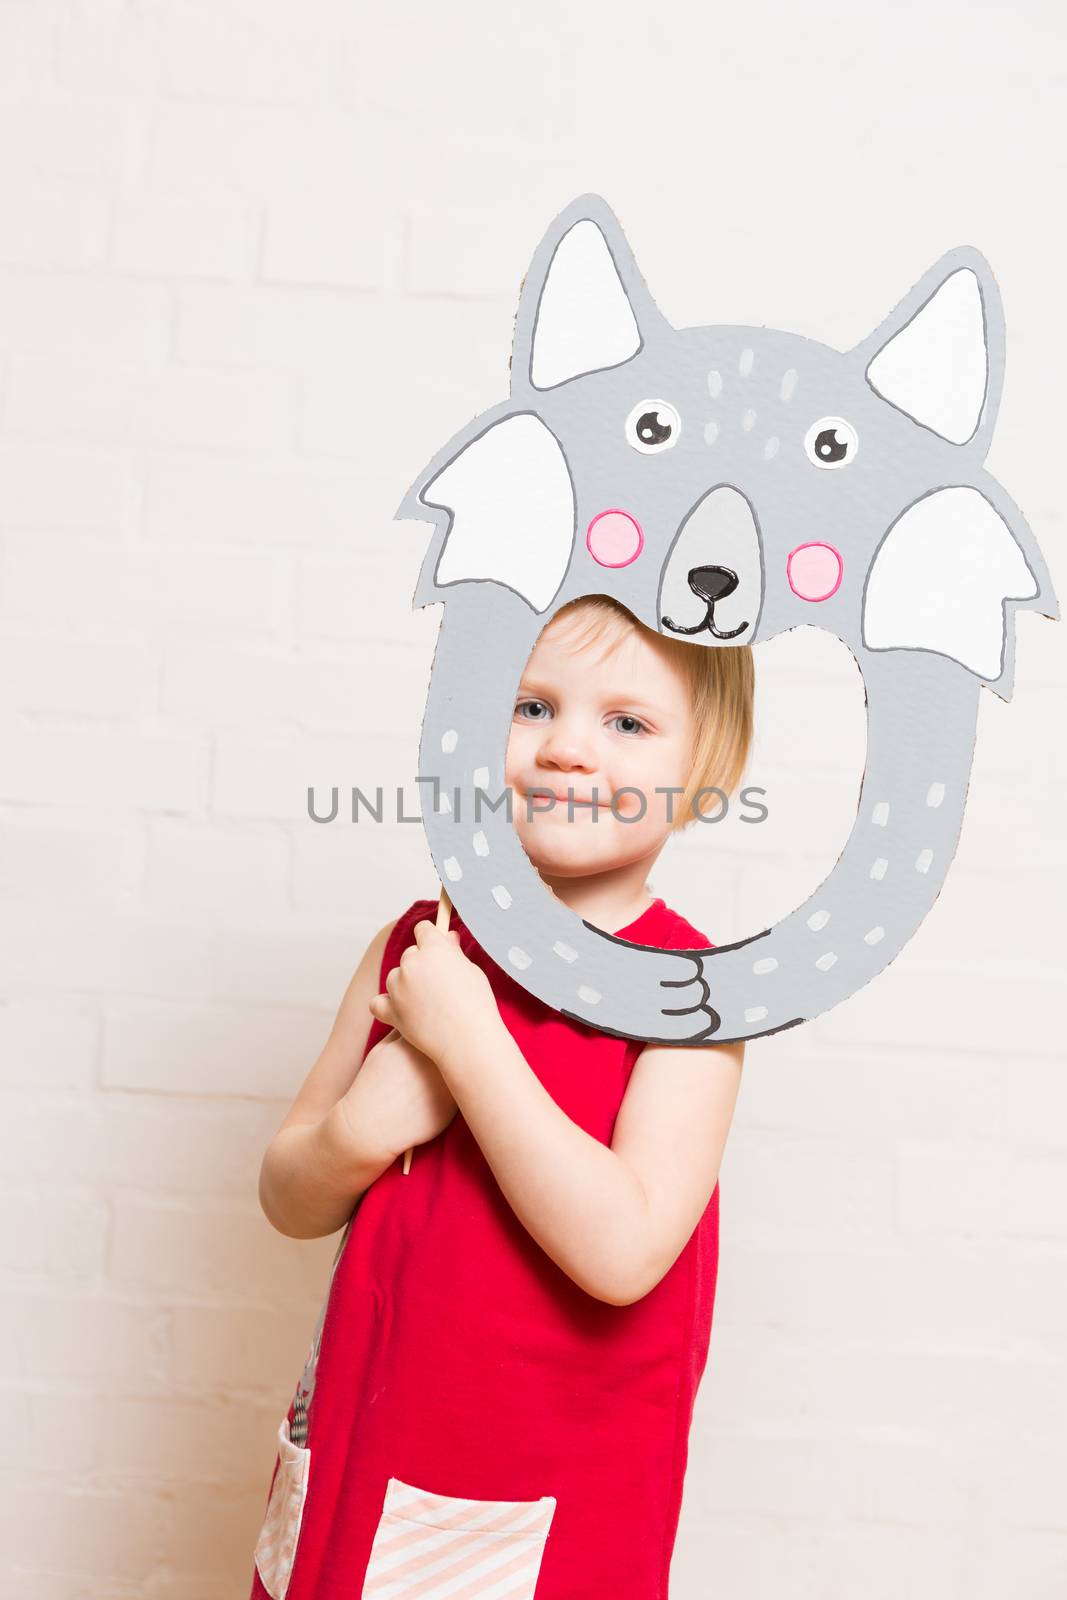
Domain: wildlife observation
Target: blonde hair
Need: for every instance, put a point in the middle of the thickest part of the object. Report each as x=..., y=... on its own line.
x=721, y=685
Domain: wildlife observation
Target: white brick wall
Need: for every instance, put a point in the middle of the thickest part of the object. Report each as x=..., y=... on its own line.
x=258, y=259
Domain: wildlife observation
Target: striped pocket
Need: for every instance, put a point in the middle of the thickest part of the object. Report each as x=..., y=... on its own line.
x=276, y=1545
x=432, y=1546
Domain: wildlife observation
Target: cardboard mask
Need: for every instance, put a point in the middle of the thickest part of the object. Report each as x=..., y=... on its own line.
x=725, y=484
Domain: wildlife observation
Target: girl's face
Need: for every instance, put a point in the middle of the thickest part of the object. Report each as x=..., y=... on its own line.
x=594, y=716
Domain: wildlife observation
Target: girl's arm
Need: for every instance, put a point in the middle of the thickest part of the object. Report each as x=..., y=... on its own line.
x=613, y=1217
x=616, y=1217
x=351, y=1118
x=315, y=1168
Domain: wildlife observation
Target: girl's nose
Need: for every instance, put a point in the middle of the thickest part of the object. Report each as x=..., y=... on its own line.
x=565, y=749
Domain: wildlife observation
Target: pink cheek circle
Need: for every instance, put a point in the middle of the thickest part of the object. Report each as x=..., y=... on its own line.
x=614, y=539
x=814, y=571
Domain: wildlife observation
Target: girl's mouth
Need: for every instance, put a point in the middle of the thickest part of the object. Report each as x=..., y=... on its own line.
x=551, y=798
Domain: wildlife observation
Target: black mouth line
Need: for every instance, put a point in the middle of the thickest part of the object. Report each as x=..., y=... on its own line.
x=707, y=624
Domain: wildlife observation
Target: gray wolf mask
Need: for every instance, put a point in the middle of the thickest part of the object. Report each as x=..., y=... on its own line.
x=725, y=484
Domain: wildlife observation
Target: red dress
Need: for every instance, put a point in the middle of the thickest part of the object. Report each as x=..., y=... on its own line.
x=479, y=1425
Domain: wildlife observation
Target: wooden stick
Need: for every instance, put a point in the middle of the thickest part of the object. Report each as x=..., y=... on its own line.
x=444, y=916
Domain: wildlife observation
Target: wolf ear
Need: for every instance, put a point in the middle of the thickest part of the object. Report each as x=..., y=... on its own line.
x=584, y=306
x=510, y=506
x=939, y=355
x=949, y=576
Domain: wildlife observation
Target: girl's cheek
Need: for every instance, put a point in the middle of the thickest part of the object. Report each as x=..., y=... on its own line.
x=517, y=754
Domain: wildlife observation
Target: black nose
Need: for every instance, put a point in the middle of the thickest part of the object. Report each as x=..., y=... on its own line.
x=712, y=583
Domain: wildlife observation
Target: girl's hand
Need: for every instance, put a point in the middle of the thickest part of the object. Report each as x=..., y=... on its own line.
x=436, y=997
x=412, y=1103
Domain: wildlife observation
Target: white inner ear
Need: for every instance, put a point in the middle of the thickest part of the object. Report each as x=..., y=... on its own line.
x=936, y=367
x=584, y=319
x=940, y=580
x=513, y=510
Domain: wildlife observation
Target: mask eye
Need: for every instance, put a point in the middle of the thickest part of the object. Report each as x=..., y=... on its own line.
x=831, y=442
x=652, y=426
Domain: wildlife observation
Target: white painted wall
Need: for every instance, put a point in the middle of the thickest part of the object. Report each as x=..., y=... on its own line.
x=258, y=259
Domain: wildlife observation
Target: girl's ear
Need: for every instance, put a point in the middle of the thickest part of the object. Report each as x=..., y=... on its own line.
x=584, y=305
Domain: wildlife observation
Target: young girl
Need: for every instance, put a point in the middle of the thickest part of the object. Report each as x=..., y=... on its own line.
x=512, y=1340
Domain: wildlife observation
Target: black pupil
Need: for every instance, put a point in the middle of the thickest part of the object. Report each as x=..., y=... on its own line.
x=629, y=723
x=828, y=447
x=652, y=429
x=534, y=708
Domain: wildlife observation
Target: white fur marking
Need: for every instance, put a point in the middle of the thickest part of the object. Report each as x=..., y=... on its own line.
x=744, y=364
x=878, y=867
x=789, y=383
x=481, y=844
x=501, y=896
x=755, y=1013
x=770, y=449
x=767, y=964
x=923, y=860
x=748, y=420
x=817, y=920
x=592, y=997
x=519, y=958
x=880, y=814
x=453, y=870
x=481, y=778
x=935, y=794
x=874, y=936
x=564, y=951
x=825, y=962
x=711, y=432
x=449, y=741
x=715, y=384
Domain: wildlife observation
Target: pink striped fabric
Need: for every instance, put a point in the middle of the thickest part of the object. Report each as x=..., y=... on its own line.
x=435, y=1547
x=276, y=1545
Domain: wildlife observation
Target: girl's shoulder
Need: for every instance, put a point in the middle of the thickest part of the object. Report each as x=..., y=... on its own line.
x=403, y=932
x=418, y=911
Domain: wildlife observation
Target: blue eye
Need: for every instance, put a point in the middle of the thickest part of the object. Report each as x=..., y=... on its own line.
x=540, y=711
x=523, y=704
